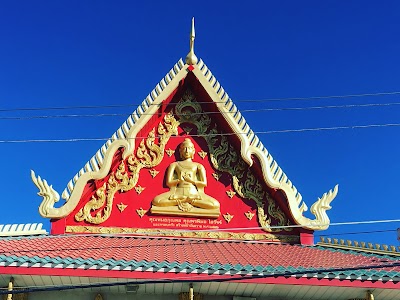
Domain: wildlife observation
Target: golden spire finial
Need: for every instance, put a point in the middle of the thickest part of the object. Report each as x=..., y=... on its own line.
x=191, y=58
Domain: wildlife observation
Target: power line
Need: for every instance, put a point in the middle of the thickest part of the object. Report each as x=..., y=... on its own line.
x=205, y=112
x=190, y=279
x=236, y=101
x=209, y=134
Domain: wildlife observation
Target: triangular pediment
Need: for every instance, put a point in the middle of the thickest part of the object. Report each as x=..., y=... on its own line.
x=139, y=182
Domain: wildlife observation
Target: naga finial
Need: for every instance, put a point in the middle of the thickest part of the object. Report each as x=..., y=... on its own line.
x=191, y=58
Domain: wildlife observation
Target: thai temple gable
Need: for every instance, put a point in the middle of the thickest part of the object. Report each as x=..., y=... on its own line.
x=188, y=88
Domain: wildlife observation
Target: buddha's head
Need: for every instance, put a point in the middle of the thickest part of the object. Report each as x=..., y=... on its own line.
x=186, y=149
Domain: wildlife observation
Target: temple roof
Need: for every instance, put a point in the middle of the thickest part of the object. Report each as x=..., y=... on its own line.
x=169, y=255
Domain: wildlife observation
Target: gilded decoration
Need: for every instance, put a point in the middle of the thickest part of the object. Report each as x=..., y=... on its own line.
x=122, y=207
x=141, y=212
x=149, y=154
x=185, y=233
x=225, y=158
x=202, y=154
x=230, y=193
x=216, y=176
x=228, y=217
x=98, y=297
x=20, y=296
x=170, y=152
x=249, y=215
x=139, y=189
x=186, y=180
x=153, y=172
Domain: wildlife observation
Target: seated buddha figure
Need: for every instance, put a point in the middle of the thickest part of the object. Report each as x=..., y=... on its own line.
x=186, y=180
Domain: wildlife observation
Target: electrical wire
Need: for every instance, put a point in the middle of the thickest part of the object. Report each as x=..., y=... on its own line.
x=236, y=101
x=209, y=134
x=189, y=279
x=205, y=112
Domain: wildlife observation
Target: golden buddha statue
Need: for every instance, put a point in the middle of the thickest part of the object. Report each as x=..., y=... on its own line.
x=186, y=180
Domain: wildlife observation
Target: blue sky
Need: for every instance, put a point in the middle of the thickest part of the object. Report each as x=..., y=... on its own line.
x=96, y=53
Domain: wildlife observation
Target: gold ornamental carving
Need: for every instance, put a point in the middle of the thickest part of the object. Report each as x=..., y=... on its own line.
x=249, y=215
x=228, y=217
x=170, y=152
x=216, y=176
x=148, y=155
x=141, y=212
x=186, y=296
x=230, y=193
x=225, y=158
x=202, y=154
x=122, y=207
x=271, y=237
x=153, y=172
x=139, y=189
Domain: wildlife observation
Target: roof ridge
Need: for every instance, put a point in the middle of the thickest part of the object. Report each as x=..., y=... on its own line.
x=359, y=246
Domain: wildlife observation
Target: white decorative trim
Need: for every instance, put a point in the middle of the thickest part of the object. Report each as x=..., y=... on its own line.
x=22, y=229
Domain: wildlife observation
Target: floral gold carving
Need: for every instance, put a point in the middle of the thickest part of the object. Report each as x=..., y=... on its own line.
x=98, y=297
x=216, y=176
x=149, y=154
x=202, y=154
x=139, y=189
x=170, y=152
x=230, y=193
x=249, y=215
x=192, y=234
x=228, y=217
x=225, y=158
x=122, y=207
x=153, y=172
x=141, y=212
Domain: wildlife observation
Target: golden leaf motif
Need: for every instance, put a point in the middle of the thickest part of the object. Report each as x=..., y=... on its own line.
x=149, y=154
x=193, y=234
x=98, y=297
x=225, y=158
x=249, y=215
x=122, y=207
x=139, y=189
x=170, y=152
x=228, y=217
x=230, y=193
x=153, y=172
x=141, y=212
x=202, y=154
x=216, y=176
